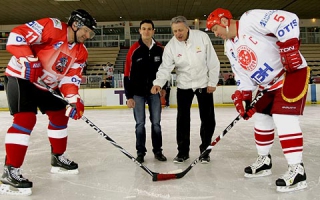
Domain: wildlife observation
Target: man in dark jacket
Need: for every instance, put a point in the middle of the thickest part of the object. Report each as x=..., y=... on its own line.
x=142, y=63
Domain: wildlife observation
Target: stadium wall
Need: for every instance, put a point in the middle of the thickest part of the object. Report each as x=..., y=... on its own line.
x=115, y=97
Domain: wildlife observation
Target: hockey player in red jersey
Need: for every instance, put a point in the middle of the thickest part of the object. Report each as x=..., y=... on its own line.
x=52, y=51
x=260, y=46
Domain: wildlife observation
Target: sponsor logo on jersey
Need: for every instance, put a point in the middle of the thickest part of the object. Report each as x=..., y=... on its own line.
x=57, y=45
x=19, y=39
x=35, y=26
x=266, y=18
x=260, y=74
x=289, y=27
x=247, y=58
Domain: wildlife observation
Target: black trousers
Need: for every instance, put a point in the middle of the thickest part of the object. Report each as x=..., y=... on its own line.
x=207, y=117
x=24, y=96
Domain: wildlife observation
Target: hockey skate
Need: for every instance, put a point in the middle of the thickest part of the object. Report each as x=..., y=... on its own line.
x=262, y=167
x=62, y=165
x=13, y=183
x=294, y=179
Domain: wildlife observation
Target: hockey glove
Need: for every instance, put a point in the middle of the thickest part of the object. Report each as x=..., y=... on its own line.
x=76, y=108
x=31, y=68
x=242, y=100
x=289, y=54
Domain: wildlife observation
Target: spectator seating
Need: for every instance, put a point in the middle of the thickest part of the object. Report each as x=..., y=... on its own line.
x=4, y=59
x=99, y=57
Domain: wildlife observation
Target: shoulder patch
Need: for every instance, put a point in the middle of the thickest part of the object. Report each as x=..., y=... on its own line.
x=56, y=23
x=35, y=26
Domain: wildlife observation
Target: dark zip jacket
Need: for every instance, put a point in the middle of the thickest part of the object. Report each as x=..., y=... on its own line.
x=141, y=67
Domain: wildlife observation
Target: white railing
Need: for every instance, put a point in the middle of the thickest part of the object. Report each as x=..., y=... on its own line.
x=104, y=41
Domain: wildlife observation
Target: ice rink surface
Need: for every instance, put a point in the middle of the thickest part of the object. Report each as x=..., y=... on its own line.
x=106, y=173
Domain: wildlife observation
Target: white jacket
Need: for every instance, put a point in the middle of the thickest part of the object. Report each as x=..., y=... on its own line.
x=195, y=61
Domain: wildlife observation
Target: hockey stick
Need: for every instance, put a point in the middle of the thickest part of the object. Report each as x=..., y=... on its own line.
x=208, y=149
x=225, y=131
x=176, y=174
x=163, y=176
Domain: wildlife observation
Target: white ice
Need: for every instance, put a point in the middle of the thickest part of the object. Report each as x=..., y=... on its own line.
x=106, y=173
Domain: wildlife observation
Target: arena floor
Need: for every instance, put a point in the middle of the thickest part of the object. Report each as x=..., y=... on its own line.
x=106, y=173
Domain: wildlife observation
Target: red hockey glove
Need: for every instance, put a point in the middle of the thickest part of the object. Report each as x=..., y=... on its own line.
x=31, y=68
x=76, y=108
x=242, y=100
x=289, y=54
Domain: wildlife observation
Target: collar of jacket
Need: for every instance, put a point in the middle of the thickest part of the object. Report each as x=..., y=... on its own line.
x=143, y=44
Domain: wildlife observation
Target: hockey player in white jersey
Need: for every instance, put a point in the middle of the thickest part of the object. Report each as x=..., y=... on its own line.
x=261, y=46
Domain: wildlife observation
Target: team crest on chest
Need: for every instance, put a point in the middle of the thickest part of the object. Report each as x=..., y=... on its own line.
x=247, y=58
x=61, y=63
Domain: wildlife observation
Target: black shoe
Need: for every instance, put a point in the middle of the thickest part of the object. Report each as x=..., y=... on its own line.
x=180, y=159
x=205, y=159
x=160, y=157
x=140, y=158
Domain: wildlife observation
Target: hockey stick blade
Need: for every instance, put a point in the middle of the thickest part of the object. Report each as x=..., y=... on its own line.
x=103, y=134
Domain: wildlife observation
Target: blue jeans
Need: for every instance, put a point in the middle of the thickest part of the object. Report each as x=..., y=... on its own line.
x=155, y=118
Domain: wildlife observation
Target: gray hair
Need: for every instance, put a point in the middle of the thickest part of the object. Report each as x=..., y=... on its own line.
x=179, y=19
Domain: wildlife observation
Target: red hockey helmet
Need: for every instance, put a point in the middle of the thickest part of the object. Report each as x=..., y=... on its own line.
x=215, y=17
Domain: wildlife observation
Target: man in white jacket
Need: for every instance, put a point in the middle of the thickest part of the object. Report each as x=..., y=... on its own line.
x=197, y=68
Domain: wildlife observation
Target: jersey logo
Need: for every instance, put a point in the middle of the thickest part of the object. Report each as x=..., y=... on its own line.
x=288, y=28
x=266, y=18
x=232, y=54
x=247, y=58
x=61, y=64
x=57, y=45
x=56, y=23
x=35, y=26
x=157, y=59
x=198, y=50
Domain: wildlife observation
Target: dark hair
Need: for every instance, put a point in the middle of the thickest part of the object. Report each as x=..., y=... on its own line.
x=147, y=21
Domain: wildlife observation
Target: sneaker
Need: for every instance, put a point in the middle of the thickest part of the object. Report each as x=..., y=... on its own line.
x=262, y=167
x=140, y=158
x=12, y=177
x=205, y=159
x=160, y=157
x=62, y=165
x=294, y=179
x=180, y=159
